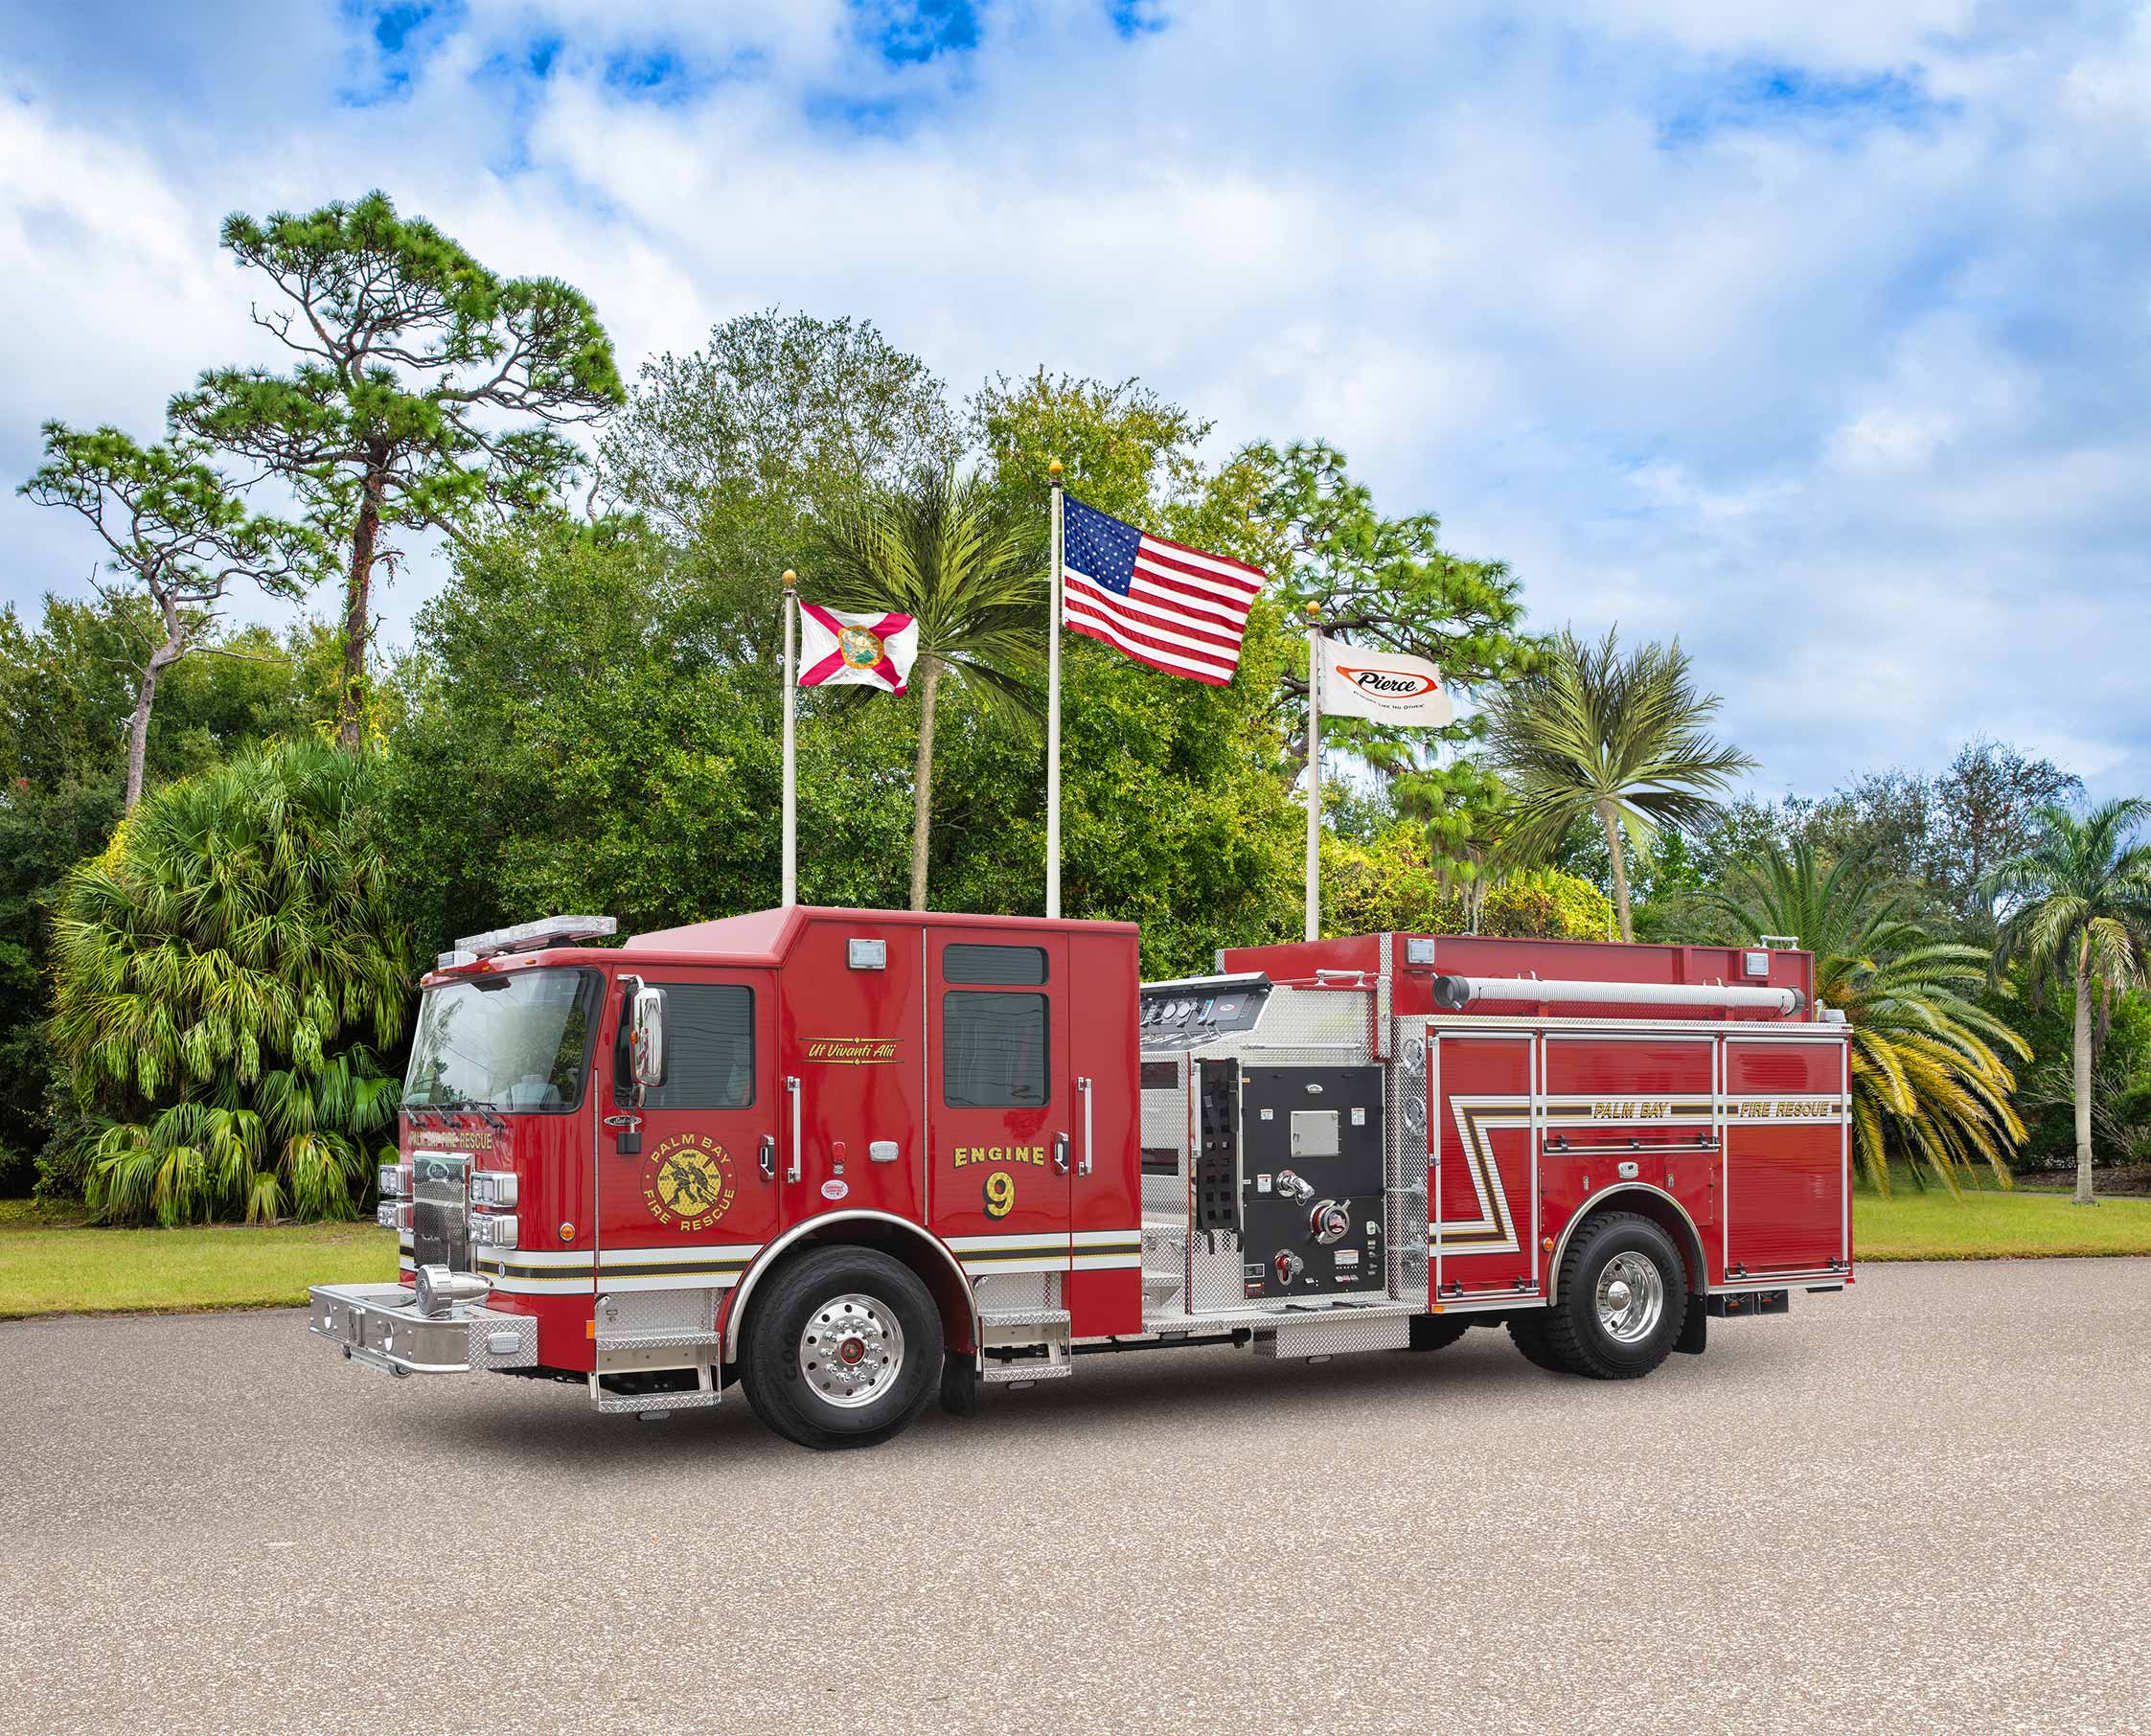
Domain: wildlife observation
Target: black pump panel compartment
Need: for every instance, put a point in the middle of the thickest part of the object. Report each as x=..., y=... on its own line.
x=1310, y=1180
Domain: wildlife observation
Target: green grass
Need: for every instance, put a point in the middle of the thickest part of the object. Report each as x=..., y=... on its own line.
x=51, y=1264
x=1988, y=1225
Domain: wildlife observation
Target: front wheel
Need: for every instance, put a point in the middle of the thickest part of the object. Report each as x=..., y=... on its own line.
x=1624, y=1296
x=842, y=1350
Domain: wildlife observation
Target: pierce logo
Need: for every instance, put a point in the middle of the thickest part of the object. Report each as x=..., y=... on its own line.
x=1389, y=683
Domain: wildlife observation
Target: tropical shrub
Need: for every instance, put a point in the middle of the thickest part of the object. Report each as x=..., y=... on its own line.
x=1392, y=884
x=1928, y=1083
x=226, y=976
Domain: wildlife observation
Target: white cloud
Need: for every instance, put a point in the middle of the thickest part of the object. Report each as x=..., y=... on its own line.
x=1842, y=377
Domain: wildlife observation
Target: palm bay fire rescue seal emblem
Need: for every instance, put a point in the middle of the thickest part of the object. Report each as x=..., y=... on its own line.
x=687, y=1182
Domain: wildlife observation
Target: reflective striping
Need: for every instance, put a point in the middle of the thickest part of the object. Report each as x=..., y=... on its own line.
x=965, y=1244
x=1106, y=1263
x=1084, y=1238
x=730, y=1253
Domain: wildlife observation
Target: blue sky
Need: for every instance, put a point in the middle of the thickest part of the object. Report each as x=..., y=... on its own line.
x=1819, y=335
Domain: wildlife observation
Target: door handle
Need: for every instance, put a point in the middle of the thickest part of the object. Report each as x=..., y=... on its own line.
x=768, y=1157
x=791, y=1170
x=1083, y=1085
x=1061, y=1153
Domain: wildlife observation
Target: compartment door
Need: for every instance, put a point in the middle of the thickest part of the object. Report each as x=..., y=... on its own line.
x=1481, y=1204
x=1784, y=1193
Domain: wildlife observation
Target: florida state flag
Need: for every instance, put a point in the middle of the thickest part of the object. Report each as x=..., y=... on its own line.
x=836, y=647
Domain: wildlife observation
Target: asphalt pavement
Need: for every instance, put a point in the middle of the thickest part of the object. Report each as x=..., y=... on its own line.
x=1924, y=1505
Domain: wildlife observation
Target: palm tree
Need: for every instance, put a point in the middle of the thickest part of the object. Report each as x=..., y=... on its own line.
x=943, y=551
x=214, y=972
x=1927, y=1079
x=2079, y=909
x=1621, y=738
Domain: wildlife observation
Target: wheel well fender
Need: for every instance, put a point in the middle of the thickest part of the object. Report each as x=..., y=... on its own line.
x=1645, y=1201
x=937, y=1269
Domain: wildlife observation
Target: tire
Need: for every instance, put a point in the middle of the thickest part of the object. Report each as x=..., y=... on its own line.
x=1434, y=1332
x=1627, y=1331
x=842, y=1349
x=1528, y=1333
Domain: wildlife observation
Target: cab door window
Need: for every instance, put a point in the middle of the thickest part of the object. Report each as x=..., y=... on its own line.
x=994, y=1049
x=709, y=1050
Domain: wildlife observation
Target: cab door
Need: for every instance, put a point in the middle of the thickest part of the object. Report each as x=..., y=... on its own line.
x=687, y=1186
x=1001, y=1099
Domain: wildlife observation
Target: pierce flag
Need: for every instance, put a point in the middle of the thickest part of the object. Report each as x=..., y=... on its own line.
x=1386, y=687
x=839, y=648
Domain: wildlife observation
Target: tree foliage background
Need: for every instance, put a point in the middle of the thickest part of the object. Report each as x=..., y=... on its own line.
x=586, y=717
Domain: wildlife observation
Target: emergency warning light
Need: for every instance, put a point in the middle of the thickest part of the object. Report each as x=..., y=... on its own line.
x=528, y=937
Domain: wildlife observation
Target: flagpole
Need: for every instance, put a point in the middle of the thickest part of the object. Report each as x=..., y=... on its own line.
x=1053, y=711
x=791, y=769
x=1314, y=771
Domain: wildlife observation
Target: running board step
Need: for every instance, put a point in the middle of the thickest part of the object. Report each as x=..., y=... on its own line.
x=1010, y=1373
x=1040, y=1335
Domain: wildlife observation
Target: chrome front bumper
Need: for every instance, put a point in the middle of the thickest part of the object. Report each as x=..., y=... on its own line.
x=378, y=1326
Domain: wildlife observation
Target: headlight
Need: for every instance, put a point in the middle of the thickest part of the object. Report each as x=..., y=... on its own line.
x=396, y=1181
x=394, y=1214
x=493, y=1190
x=499, y=1230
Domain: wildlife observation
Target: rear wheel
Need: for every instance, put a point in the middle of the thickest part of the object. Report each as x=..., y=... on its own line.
x=1432, y=1332
x=842, y=1350
x=1623, y=1298
x=1528, y=1333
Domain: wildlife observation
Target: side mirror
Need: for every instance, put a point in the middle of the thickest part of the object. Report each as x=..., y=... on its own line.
x=646, y=1037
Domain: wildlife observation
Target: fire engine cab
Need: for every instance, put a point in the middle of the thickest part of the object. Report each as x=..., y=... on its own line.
x=849, y=1158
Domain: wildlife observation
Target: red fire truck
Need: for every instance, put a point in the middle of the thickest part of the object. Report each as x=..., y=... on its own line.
x=848, y=1158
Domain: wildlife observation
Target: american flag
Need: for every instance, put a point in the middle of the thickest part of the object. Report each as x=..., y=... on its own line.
x=1164, y=603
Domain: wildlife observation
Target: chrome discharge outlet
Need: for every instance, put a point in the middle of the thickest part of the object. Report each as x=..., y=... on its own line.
x=440, y=1290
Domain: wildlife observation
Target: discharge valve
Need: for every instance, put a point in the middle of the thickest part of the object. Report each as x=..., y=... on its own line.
x=1331, y=1221
x=1288, y=1265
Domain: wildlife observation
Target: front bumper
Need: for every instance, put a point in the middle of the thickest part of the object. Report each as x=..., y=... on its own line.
x=378, y=1326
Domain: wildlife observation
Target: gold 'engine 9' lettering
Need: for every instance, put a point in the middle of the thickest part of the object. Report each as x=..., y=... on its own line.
x=1000, y=1194
x=1034, y=1154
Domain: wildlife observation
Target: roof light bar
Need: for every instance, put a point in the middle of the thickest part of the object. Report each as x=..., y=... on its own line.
x=528, y=937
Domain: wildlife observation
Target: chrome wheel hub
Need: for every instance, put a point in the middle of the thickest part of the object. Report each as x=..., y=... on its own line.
x=851, y=1350
x=1631, y=1297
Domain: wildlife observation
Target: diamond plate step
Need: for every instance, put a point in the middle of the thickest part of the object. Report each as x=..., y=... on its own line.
x=1001, y=1374
x=659, y=1340
x=1024, y=1317
x=653, y=1401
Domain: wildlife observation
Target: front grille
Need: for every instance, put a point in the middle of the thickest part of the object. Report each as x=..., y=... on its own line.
x=441, y=1211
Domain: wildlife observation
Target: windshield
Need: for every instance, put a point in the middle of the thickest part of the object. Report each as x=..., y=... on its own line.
x=521, y=1040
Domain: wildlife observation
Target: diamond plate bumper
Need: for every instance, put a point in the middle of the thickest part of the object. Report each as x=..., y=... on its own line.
x=378, y=1327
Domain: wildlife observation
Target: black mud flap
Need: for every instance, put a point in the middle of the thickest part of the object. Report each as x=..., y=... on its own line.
x=1695, y=1329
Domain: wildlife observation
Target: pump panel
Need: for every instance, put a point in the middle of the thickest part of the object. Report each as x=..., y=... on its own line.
x=1310, y=1196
